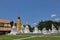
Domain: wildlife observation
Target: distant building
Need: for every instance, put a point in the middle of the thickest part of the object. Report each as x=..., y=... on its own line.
x=4, y=26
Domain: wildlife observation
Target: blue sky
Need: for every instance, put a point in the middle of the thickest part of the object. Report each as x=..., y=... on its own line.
x=31, y=11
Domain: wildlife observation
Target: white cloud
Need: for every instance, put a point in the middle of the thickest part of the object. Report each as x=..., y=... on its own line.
x=34, y=23
x=57, y=19
x=53, y=15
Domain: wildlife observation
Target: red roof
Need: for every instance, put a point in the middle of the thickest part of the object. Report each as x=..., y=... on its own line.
x=4, y=20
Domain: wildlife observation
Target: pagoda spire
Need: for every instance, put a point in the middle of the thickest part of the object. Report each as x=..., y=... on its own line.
x=19, y=14
x=19, y=24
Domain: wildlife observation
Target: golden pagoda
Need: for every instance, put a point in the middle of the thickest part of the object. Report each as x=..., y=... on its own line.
x=19, y=24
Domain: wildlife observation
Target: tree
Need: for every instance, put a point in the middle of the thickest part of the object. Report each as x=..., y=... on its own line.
x=30, y=28
x=56, y=24
x=47, y=24
x=15, y=24
x=41, y=25
x=11, y=23
x=1, y=24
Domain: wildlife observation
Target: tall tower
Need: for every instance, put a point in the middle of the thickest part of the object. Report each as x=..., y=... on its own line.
x=19, y=24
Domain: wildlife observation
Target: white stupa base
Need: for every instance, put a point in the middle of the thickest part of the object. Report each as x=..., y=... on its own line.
x=46, y=32
x=35, y=32
x=26, y=31
x=54, y=31
x=19, y=32
x=15, y=32
x=40, y=31
x=12, y=33
x=58, y=31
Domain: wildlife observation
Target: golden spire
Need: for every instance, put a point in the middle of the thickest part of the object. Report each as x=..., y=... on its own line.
x=19, y=24
x=19, y=13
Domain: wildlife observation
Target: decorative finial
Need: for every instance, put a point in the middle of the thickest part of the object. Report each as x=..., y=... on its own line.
x=18, y=14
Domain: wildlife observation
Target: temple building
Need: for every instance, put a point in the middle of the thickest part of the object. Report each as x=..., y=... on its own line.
x=4, y=26
x=4, y=23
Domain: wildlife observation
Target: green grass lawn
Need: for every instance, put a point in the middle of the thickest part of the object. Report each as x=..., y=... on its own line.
x=12, y=37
